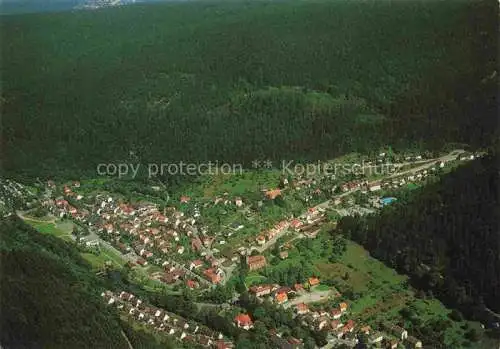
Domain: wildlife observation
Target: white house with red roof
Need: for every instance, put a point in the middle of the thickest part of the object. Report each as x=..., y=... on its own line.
x=243, y=321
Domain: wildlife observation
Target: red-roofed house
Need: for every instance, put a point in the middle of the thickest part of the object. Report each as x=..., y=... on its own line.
x=336, y=314
x=212, y=260
x=211, y=275
x=298, y=287
x=196, y=244
x=295, y=224
x=221, y=344
x=191, y=284
x=261, y=239
x=348, y=327
x=295, y=342
x=207, y=241
x=256, y=262
x=260, y=290
x=141, y=261
x=243, y=321
x=343, y=307
x=185, y=199
x=313, y=281
x=61, y=203
x=365, y=329
x=196, y=264
x=281, y=298
x=273, y=194
x=205, y=341
x=301, y=308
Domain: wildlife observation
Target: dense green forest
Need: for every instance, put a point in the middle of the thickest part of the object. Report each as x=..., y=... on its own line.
x=240, y=80
x=445, y=236
x=48, y=296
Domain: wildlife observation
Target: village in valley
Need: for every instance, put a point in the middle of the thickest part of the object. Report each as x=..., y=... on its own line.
x=247, y=245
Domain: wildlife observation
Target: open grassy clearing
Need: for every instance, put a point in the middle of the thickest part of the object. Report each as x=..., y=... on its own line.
x=63, y=231
x=112, y=256
x=96, y=261
x=240, y=184
x=58, y=230
x=357, y=257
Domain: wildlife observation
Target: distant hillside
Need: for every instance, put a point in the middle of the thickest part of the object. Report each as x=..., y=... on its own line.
x=48, y=296
x=241, y=80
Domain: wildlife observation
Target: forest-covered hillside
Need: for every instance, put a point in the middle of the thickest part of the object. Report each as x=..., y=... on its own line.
x=242, y=80
x=446, y=236
x=48, y=295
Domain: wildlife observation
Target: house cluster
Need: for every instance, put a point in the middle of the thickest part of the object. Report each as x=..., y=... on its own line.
x=338, y=325
x=170, y=324
x=468, y=157
x=310, y=225
x=270, y=234
x=154, y=236
x=278, y=293
x=60, y=207
x=352, y=185
x=399, y=334
x=281, y=342
x=393, y=183
x=11, y=192
x=256, y=262
x=333, y=321
x=281, y=294
x=309, y=188
x=152, y=232
x=415, y=177
x=196, y=273
x=173, y=274
x=245, y=322
x=364, y=186
x=226, y=201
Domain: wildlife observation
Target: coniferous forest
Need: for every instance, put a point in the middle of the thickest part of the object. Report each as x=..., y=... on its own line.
x=236, y=81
